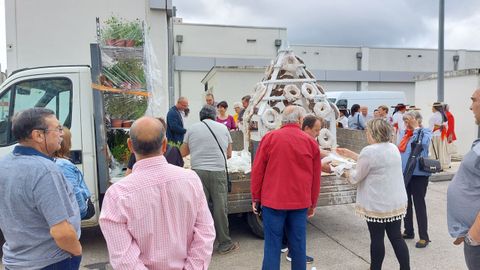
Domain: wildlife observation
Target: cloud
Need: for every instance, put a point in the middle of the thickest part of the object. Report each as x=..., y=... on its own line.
x=400, y=23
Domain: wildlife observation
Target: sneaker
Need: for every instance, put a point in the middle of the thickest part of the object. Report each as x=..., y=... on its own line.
x=284, y=248
x=309, y=259
x=408, y=236
x=231, y=248
x=422, y=243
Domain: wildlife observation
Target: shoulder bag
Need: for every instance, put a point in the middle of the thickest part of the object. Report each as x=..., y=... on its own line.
x=430, y=165
x=229, y=183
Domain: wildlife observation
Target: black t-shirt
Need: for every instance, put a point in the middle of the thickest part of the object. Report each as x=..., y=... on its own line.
x=172, y=154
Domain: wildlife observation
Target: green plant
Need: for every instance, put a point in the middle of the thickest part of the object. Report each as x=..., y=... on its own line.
x=117, y=142
x=126, y=71
x=123, y=106
x=120, y=28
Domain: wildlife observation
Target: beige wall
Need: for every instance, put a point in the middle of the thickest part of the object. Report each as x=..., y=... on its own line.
x=58, y=32
x=228, y=41
x=458, y=91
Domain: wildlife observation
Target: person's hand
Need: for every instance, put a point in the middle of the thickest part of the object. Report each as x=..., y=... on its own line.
x=346, y=153
x=450, y=138
x=326, y=167
x=324, y=153
x=311, y=212
x=254, y=208
x=458, y=241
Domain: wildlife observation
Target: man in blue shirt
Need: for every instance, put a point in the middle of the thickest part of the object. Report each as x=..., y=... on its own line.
x=175, y=130
x=39, y=215
x=463, y=199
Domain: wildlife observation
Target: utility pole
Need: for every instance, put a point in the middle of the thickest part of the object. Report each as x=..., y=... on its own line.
x=440, y=70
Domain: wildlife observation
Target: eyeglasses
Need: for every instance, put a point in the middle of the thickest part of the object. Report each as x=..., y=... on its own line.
x=57, y=129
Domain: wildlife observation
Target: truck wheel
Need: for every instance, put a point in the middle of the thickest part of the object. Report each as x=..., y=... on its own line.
x=255, y=224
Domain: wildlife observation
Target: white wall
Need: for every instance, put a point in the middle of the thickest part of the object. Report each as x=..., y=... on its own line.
x=327, y=57
x=458, y=91
x=228, y=41
x=58, y=32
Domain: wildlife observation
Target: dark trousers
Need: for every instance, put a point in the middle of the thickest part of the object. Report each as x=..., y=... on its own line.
x=472, y=256
x=72, y=263
x=377, y=245
x=295, y=224
x=416, y=190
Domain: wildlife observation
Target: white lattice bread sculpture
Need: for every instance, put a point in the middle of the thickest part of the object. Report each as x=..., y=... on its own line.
x=288, y=82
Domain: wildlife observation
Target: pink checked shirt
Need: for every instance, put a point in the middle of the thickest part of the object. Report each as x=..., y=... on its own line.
x=158, y=218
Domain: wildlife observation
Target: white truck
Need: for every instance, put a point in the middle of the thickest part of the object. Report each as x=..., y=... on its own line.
x=67, y=90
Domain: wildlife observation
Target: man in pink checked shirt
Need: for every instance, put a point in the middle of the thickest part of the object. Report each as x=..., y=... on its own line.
x=157, y=217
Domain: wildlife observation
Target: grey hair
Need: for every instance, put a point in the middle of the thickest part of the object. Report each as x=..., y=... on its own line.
x=415, y=115
x=380, y=130
x=292, y=115
x=208, y=112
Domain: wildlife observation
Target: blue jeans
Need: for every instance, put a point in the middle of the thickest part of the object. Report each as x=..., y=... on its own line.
x=72, y=263
x=295, y=224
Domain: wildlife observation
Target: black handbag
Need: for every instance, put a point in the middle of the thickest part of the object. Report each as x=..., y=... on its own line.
x=430, y=165
x=90, y=210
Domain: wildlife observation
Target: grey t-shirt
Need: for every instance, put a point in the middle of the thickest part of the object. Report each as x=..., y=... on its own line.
x=463, y=195
x=204, y=151
x=34, y=196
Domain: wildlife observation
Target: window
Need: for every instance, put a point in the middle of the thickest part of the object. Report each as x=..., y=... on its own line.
x=52, y=93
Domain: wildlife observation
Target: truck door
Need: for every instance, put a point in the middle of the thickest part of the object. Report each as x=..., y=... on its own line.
x=54, y=93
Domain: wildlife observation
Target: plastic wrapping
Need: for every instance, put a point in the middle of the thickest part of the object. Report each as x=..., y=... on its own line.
x=239, y=162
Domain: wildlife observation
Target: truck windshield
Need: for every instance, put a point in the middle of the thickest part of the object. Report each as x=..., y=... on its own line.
x=52, y=93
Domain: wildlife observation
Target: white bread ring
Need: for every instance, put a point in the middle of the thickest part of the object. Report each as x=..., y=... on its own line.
x=309, y=91
x=260, y=91
x=270, y=118
x=322, y=109
x=325, y=138
x=291, y=92
x=320, y=88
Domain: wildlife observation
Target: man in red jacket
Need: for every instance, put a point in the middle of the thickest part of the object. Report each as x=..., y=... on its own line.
x=285, y=178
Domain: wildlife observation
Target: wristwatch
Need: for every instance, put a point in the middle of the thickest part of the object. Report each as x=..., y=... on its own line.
x=469, y=241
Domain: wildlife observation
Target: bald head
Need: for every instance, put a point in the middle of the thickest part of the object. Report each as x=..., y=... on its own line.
x=147, y=137
x=182, y=103
x=364, y=110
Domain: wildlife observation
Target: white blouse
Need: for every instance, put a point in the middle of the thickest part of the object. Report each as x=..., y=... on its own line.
x=436, y=119
x=381, y=194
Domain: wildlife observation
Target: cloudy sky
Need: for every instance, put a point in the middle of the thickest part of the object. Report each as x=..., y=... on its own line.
x=392, y=23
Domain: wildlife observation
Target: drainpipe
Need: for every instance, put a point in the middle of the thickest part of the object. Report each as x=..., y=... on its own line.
x=171, y=90
x=359, y=67
x=179, y=39
x=456, y=58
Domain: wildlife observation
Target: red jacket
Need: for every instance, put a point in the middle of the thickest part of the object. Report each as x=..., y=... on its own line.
x=286, y=170
x=451, y=125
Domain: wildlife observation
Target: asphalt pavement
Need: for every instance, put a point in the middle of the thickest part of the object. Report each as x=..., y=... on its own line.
x=337, y=239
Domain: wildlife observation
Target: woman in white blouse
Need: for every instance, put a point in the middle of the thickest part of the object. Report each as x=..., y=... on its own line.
x=438, y=124
x=381, y=195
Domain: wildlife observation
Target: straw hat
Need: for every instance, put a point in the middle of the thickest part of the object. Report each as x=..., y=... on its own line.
x=413, y=108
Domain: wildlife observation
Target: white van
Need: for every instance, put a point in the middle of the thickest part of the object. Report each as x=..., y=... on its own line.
x=371, y=99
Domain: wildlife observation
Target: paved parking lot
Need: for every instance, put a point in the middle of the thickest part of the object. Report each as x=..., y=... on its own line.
x=337, y=239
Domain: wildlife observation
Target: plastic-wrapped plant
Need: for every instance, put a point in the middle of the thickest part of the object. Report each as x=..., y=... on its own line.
x=126, y=74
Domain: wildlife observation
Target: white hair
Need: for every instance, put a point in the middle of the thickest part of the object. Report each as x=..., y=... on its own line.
x=292, y=114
